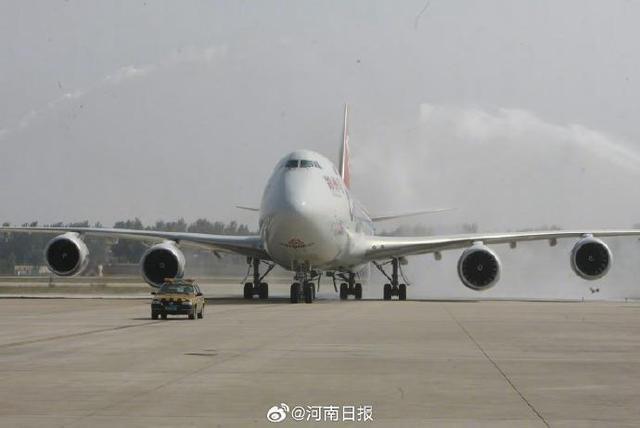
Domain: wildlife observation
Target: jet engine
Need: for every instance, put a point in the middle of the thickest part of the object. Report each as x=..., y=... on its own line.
x=67, y=254
x=162, y=261
x=479, y=267
x=590, y=258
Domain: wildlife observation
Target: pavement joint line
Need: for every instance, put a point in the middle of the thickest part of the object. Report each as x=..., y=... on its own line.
x=101, y=330
x=497, y=367
x=81, y=333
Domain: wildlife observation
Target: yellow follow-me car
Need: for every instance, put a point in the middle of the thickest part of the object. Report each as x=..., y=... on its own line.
x=178, y=297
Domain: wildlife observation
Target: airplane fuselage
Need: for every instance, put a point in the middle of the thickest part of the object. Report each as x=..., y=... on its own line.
x=308, y=219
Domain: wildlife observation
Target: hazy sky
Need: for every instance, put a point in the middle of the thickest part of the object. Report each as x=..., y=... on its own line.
x=518, y=113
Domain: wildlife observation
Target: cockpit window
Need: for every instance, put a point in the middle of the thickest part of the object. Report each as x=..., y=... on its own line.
x=304, y=163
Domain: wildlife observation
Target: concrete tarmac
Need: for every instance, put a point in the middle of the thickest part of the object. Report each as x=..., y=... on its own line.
x=104, y=363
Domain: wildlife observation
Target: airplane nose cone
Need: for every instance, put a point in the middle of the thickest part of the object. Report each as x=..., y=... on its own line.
x=299, y=229
x=305, y=196
x=298, y=204
x=301, y=214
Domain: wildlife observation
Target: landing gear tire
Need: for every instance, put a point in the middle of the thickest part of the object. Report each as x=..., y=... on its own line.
x=307, y=291
x=263, y=291
x=387, y=292
x=295, y=293
x=402, y=292
x=393, y=288
x=255, y=287
x=248, y=290
x=358, y=291
x=344, y=291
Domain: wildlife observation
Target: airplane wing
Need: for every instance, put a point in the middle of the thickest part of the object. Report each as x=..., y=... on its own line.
x=385, y=247
x=250, y=245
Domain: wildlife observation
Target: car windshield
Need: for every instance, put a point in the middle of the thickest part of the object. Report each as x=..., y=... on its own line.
x=176, y=289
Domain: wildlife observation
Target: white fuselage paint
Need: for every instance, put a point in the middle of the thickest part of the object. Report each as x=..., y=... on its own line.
x=308, y=219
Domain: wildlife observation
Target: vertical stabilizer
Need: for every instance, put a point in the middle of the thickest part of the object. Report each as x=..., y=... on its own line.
x=345, y=166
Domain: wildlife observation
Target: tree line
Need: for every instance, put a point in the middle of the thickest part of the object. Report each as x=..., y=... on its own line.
x=27, y=249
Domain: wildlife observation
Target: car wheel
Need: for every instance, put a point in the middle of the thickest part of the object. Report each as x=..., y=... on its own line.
x=164, y=316
x=201, y=313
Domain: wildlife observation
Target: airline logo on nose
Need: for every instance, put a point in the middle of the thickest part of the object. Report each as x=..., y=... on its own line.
x=296, y=243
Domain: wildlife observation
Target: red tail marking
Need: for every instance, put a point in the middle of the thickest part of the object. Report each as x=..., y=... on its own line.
x=345, y=167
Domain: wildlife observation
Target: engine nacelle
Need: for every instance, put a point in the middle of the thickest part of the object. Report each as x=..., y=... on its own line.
x=479, y=267
x=66, y=255
x=591, y=258
x=162, y=261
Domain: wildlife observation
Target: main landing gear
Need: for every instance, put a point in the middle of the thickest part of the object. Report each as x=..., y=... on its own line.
x=393, y=288
x=303, y=288
x=350, y=287
x=257, y=287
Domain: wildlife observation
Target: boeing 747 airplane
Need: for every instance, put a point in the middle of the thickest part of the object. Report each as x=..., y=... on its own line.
x=310, y=224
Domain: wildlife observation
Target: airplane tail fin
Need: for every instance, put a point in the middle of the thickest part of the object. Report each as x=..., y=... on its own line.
x=345, y=166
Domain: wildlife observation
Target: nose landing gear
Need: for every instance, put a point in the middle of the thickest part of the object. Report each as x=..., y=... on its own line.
x=295, y=292
x=303, y=289
x=394, y=287
x=257, y=287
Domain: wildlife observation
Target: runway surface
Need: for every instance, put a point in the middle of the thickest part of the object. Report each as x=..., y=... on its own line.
x=104, y=363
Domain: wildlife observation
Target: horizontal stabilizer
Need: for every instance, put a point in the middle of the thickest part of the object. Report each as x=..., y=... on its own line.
x=412, y=214
x=248, y=208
